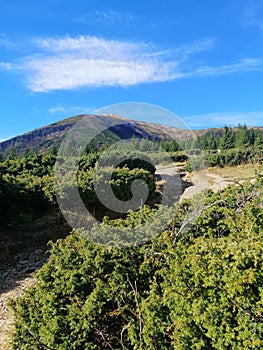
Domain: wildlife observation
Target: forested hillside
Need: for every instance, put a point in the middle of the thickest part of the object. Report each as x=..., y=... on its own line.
x=229, y=146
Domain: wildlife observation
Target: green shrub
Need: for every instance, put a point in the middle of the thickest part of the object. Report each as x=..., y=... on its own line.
x=195, y=289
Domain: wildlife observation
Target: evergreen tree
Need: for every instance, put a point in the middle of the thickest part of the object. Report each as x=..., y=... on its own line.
x=228, y=138
x=242, y=136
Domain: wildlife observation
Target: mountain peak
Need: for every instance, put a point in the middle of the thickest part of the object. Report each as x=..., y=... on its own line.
x=43, y=139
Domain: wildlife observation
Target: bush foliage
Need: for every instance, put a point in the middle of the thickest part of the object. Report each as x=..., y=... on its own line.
x=200, y=288
x=195, y=289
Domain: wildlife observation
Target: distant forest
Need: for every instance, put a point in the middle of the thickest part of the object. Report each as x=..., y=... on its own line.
x=231, y=138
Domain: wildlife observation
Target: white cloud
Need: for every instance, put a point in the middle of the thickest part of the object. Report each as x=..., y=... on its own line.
x=91, y=45
x=72, y=72
x=68, y=63
x=230, y=118
x=194, y=47
x=247, y=64
x=63, y=63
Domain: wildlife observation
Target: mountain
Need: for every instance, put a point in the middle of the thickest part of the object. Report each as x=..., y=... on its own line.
x=49, y=137
x=43, y=139
x=39, y=140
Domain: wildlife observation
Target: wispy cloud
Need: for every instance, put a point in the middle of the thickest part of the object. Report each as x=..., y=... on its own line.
x=65, y=110
x=92, y=46
x=194, y=47
x=252, y=13
x=247, y=64
x=107, y=17
x=6, y=66
x=5, y=42
x=71, y=72
x=68, y=63
x=230, y=118
x=63, y=63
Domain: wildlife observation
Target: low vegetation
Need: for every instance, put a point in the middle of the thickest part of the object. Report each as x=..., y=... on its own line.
x=198, y=285
x=195, y=289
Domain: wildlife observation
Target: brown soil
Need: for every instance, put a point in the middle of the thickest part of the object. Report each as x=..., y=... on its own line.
x=6, y=314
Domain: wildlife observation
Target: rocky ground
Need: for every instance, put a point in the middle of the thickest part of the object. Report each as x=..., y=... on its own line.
x=14, y=280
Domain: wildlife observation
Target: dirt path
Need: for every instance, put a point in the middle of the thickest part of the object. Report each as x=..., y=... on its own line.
x=14, y=280
x=6, y=315
x=202, y=180
x=215, y=179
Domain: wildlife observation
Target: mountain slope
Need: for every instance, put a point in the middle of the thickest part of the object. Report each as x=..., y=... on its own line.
x=44, y=139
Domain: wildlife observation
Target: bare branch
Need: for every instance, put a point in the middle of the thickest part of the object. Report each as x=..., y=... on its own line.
x=121, y=341
x=195, y=214
x=135, y=292
x=103, y=337
x=39, y=342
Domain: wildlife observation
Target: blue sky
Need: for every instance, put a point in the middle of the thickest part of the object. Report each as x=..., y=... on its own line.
x=201, y=60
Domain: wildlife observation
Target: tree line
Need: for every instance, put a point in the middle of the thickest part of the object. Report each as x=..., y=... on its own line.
x=242, y=136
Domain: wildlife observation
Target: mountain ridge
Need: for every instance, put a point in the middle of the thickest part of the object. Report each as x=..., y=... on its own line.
x=46, y=138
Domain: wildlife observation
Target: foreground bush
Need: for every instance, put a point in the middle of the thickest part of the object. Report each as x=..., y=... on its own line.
x=195, y=289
